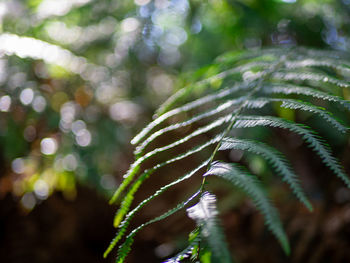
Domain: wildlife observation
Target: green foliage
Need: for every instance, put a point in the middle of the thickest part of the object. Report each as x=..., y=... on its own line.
x=124, y=249
x=221, y=114
x=190, y=250
x=205, y=215
x=275, y=159
x=94, y=70
x=239, y=177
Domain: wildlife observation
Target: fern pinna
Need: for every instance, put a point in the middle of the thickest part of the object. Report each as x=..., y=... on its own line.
x=207, y=116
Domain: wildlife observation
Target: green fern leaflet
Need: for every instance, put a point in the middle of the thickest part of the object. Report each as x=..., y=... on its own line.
x=208, y=117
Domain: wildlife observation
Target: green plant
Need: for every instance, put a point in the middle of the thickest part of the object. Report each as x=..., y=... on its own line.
x=217, y=108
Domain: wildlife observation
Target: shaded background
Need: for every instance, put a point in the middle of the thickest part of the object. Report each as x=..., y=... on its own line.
x=80, y=77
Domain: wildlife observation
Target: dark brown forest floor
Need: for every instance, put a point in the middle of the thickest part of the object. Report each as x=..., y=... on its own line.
x=78, y=231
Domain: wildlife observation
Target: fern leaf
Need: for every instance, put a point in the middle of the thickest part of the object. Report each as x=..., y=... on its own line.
x=226, y=105
x=319, y=53
x=309, y=76
x=288, y=89
x=186, y=253
x=126, y=203
x=253, y=103
x=124, y=249
x=185, y=108
x=233, y=57
x=275, y=158
x=135, y=167
x=123, y=226
x=341, y=66
x=299, y=105
x=194, y=242
x=307, y=134
x=205, y=215
x=129, y=197
x=180, y=94
x=252, y=187
x=258, y=77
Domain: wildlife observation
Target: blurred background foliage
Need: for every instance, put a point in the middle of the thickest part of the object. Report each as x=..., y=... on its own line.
x=80, y=77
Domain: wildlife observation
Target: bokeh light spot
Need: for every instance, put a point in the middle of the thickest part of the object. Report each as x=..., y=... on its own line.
x=124, y=111
x=41, y=189
x=48, y=146
x=83, y=138
x=26, y=96
x=5, y=103
x=18, y=166
x=28, y=201
x=39, y=104
x=78, y=126
x=130, y=24
x=142, y=2
x=70, y=162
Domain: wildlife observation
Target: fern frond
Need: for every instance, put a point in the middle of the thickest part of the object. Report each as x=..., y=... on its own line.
x=288, y=89
x=285, y=102
x=194, y=242
x=253, y=103
x=335, y=64
x=221, y=108
x=124, y=249
x=187, y=107
x=305, y=106
x=180, y=94
x=309, y=76
x=205, y=215
x=309, y=136
x=299, y=105
x=123, y=225
x=252, y=187
x=135, y=167
x=275, y=158
x=267, y=54
x=237, y=84
x=319, y=53
x=124, y=208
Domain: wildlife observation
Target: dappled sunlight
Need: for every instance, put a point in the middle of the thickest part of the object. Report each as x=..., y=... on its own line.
x=25, y=47
x=79, y=78
x=49, y=8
